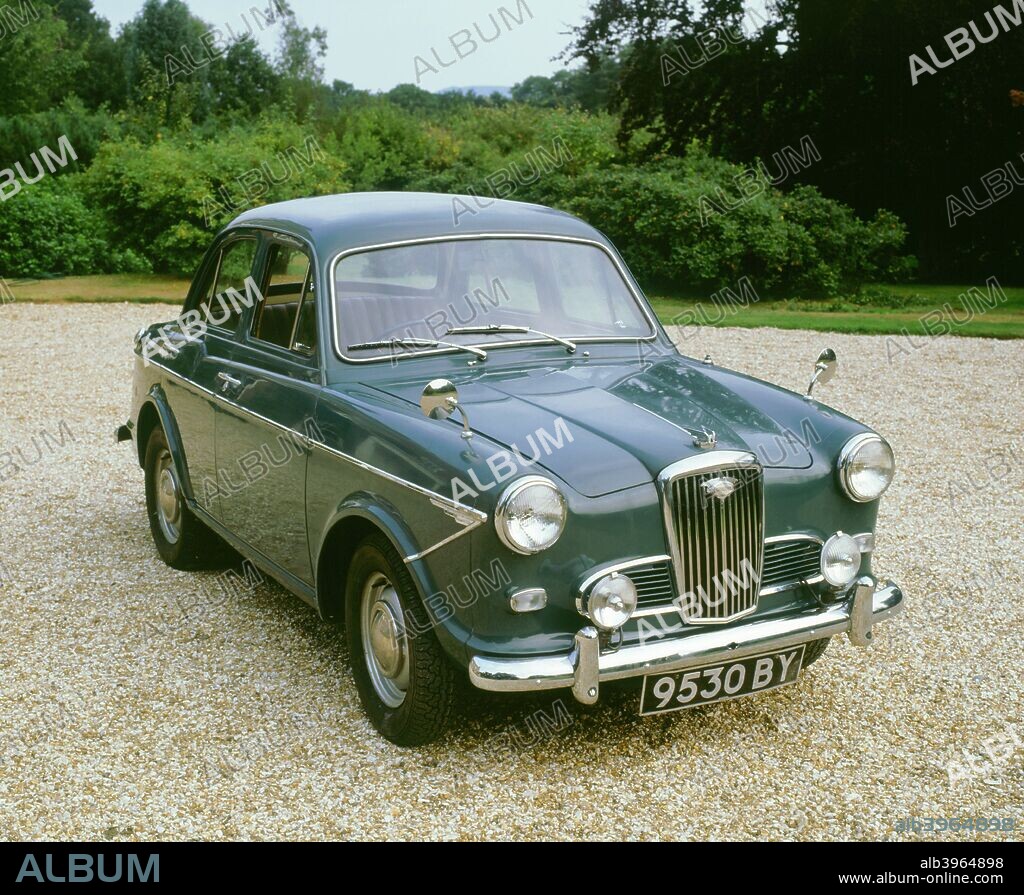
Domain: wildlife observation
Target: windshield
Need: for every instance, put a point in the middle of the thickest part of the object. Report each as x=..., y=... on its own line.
x=422, y=291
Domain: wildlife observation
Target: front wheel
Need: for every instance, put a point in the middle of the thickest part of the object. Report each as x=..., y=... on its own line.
x=814, y=651
x=404, y=680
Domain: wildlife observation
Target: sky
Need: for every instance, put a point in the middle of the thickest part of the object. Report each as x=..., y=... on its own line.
x=373, y=44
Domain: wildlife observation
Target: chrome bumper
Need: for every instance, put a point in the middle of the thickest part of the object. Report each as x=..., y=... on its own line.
x=585, y=666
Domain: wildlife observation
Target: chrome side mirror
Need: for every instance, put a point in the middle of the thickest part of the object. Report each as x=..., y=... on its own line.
x=824, y=370
x=440, y=399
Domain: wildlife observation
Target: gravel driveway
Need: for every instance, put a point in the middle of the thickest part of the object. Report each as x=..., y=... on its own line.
x=140, y=702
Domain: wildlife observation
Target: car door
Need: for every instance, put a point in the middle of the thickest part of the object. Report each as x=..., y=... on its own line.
x=272, y=380
x=208, y=326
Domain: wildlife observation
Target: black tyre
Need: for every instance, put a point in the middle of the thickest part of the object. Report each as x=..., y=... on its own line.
x=405, y=681
x=182, y=541
x=814, y=651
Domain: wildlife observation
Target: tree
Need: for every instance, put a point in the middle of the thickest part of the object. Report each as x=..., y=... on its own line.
x=841, y=75
x=38, y=62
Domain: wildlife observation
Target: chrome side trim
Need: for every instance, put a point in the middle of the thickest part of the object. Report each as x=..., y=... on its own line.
x=578, y=670
x=619, y=266
x=468, y=517
x=466, y=530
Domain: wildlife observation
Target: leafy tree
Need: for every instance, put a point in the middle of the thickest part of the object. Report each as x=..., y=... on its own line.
x=841, y=74
x=38, y=63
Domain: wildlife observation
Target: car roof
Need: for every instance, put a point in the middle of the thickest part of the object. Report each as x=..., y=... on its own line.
x=352, y=220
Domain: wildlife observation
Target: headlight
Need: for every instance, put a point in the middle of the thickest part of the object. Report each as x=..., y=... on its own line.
x=866, y=467
x=610, y=602
x=840, y=560
x=530, y=515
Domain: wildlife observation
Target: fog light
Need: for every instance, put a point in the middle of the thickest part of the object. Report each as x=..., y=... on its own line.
x=610, y=602
x=840, y=560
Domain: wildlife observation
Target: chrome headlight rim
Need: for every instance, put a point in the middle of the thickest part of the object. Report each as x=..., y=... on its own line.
x=501, y=513
x=849, y=453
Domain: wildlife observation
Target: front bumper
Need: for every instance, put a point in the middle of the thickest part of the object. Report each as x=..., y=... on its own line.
x=585, y=666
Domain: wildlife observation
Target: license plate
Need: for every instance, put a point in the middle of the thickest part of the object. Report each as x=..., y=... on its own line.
x=715, y=683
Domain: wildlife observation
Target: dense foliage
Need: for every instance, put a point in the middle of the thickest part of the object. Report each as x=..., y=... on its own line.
x=841, y=72
x=169, y=150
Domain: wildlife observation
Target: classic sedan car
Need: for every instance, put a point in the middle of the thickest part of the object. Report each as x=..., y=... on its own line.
x=468, y=440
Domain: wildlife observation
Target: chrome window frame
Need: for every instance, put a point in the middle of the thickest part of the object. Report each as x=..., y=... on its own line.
x=627, y=279
x=231, y=238
x=308, y=284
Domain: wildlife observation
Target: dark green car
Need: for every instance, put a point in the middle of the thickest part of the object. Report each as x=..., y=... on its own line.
x=468, y=439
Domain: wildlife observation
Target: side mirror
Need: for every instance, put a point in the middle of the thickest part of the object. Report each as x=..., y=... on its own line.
x=440, y=399
x=824, y=369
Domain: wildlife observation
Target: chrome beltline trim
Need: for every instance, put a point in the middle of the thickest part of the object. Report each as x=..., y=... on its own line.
x=550, y=237
x=469, y=517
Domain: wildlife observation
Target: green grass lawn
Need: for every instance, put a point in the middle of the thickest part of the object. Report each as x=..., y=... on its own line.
x=136, y=288
x=902, y=310
x=887, y=309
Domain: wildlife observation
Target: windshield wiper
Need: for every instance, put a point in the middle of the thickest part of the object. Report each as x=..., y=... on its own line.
x=416, y=343
x=507, y=328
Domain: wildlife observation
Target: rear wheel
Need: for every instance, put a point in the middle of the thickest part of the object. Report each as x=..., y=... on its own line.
x=182, y=541
x=404, y=680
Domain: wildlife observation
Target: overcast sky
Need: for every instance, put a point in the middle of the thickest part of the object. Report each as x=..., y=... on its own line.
x=373, y=43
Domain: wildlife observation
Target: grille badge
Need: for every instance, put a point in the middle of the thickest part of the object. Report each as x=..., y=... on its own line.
x=721, y=488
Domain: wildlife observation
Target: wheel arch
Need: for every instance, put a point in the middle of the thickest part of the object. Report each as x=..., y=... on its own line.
x=155, y=412
x=357, y=518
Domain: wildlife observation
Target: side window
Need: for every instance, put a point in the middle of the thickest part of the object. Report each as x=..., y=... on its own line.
x=286, y=316
x=231, y=293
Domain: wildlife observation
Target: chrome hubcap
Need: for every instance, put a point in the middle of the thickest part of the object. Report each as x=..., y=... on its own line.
x=384, y=640
x=168, y=498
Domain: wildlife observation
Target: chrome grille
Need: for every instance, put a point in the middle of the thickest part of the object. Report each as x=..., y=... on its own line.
x=790, y=560
x=717, y=544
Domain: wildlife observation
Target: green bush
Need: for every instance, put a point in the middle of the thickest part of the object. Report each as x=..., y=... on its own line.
x=47, y=230
x=166, y=200
x=682, y=224
x=157, y=200
x=21, y=135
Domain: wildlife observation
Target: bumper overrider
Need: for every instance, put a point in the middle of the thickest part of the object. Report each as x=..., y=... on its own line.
x=584, y=667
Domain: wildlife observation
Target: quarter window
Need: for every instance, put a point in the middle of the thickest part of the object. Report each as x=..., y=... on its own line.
x=233, y=289
x=286, y=315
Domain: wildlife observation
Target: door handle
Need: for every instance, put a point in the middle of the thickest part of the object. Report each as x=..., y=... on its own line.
x=228, y=382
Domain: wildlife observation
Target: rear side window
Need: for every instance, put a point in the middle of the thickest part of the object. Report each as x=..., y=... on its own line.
x=232, y=286
x=286, y=316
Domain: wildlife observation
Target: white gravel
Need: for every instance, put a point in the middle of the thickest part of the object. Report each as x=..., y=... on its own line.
x=122, y=719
